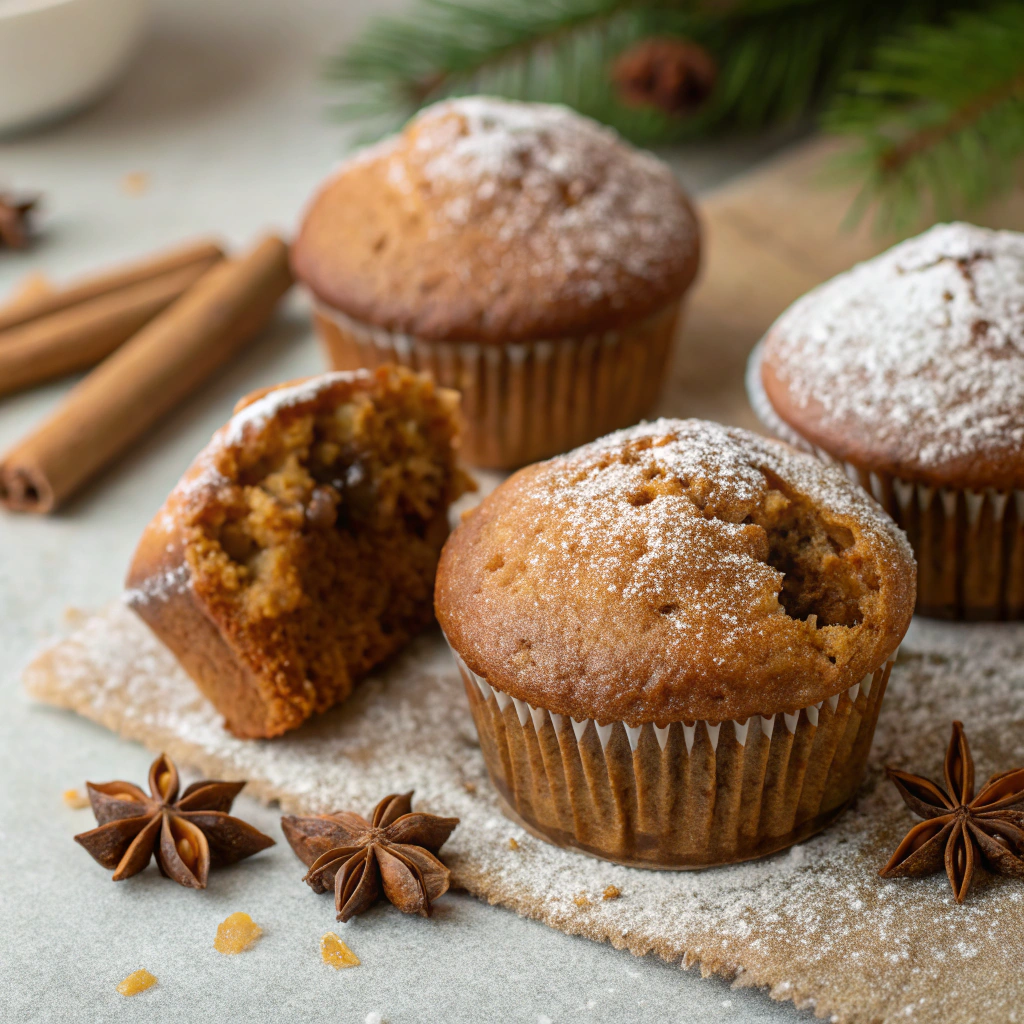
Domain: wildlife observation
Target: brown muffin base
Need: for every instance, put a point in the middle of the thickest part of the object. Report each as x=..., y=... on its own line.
x=524, y=401
x=969, y=545
x=646, y=797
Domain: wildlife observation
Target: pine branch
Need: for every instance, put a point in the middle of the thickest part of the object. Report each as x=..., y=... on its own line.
x=444, y=47
x=939, y=117
x=778, y=58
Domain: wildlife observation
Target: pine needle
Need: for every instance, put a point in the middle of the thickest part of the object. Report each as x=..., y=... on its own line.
x=778, y=59
x=939, y=116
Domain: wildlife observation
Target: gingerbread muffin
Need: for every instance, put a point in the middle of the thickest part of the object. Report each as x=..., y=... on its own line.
x=675, y=641
x=521, y=253
x=299, y=549
x=908, y=370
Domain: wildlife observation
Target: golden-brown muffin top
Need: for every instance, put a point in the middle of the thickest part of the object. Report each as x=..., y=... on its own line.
x=678, y=570
x=488, y=220
x=912, y=363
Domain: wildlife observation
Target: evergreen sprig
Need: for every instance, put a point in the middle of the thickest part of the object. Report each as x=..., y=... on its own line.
x=932, y=88
x=777, y=58
x=939, y=116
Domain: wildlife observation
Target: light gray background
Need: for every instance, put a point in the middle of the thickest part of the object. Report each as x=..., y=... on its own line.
x=223, y=111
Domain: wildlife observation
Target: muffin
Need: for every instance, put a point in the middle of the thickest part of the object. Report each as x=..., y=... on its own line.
x=675, y=641
x=908, y=370
x=524, y=255
x=299, y=549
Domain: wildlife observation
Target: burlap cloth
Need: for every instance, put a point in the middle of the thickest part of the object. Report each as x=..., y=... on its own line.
x=816, y=924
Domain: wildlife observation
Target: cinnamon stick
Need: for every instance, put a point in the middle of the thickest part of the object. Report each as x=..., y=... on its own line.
x=80, y=336
x=43, y=304
x=145, y=378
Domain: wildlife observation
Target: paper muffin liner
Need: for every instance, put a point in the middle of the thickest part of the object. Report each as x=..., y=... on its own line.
x=683, y=795
x=969, y=544
x=524, y=401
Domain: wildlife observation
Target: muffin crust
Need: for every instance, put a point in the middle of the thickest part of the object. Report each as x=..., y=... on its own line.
x=912, y=363
x=675, y=571
x=493, y=221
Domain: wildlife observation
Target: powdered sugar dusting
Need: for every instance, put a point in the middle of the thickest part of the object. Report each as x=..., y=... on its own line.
x=592, y=488
x=659, y=518
x=159, y=586
x=580, y=202
x=920, y=350
x=256, y=415
x=815, y=924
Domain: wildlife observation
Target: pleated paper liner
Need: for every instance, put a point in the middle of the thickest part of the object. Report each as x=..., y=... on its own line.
x=523, y=402
x=684, y=795
x=969, y=545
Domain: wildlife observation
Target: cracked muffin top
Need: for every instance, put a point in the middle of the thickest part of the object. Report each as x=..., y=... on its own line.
x=912, y=363
x=493, y=221
x=678, y=570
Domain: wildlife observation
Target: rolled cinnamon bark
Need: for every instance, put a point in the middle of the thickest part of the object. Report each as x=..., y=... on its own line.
x=51, y=301
x=80, y=336
x=145, y=378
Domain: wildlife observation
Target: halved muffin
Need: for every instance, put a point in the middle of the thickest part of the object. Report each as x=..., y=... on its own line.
x=299, y=549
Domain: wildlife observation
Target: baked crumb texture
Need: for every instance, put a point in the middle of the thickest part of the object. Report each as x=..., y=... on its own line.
x=310, y=529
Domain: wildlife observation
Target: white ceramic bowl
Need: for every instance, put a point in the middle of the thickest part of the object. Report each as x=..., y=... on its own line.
x=58, y=55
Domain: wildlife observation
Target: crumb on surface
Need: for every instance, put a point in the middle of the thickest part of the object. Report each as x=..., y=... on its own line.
x=135, y=183
x=336, y=954
x=76, y=799
x=236, y=933
x=136, y=982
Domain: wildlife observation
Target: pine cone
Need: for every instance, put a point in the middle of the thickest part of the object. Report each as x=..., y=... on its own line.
x=673, y=75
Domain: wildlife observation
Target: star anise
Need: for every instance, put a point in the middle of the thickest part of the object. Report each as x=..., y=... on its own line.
x=188, y=835
x=395, y=852
x=961, y=829
x=14, y=219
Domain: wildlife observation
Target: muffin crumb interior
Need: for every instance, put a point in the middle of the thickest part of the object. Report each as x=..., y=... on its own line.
x=823, y=583
x=317, y=555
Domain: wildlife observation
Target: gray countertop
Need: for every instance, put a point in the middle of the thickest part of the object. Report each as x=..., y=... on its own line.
x=221, y=112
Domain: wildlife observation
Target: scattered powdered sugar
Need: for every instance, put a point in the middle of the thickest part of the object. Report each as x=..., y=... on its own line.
x=815, y=924
x=256, y=415
x=566, y=191
x=692, y=552
x=205, y=473
x=920, y=350
x=160, y=586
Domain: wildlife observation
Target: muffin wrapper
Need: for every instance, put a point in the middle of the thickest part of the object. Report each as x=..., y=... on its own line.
x=524, y=401
x=682, y=795
x=969, y=544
